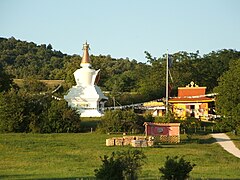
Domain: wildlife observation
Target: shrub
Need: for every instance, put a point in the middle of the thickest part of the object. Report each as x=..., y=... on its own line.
x=190, y=124
x=36, y=113
x=121, y=121
x=121, y=165
x=176, y=168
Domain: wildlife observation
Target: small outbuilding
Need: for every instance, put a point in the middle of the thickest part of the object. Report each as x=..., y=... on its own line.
x=166, y=132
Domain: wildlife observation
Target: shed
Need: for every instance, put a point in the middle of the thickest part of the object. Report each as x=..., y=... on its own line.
x=167, y=132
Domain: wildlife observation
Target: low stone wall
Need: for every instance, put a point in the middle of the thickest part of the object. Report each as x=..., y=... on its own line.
x=135, y=141
x=141, y=141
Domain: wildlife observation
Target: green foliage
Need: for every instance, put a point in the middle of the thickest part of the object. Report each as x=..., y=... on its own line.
x=228, y=99
x=111, y=169
x=167, y=118
x=148, y=117
x=12, y=113
x=176, y=168
x=60, y=118
x=190, y=124
x=23, y=112
x=121, y=121
x=23, y=59
x=132, y=161
x=6, y=81
x=121, y=165
x=160, y=119
x=31, y=85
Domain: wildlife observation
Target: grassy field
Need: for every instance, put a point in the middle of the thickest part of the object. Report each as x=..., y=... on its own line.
x=235, y=139
x=49, y=83
x=68, y=156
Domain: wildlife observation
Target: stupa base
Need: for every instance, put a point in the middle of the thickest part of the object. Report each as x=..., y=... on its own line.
x=90, y=113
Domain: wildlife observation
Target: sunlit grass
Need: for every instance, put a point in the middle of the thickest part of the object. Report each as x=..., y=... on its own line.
x=235, y=139
x=49, y=83
x=39, y=156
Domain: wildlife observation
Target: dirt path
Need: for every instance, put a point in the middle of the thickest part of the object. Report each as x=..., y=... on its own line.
x=227, y=144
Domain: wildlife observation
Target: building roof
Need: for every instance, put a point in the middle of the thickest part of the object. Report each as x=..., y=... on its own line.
x=153, y=104
x=161, y=124
x=190, y=99
x=192, y=93
x=191, y=89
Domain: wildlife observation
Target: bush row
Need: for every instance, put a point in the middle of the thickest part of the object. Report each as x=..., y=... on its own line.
x=22, y=112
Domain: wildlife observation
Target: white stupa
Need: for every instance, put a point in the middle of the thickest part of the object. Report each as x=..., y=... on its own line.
x=86, y=96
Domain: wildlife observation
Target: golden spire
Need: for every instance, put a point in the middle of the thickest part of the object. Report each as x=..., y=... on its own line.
x=85, y=58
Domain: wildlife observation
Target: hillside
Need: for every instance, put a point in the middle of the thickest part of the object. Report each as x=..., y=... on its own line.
x=24, y=59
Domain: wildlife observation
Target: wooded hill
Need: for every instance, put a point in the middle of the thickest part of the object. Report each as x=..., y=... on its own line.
x=23, y=59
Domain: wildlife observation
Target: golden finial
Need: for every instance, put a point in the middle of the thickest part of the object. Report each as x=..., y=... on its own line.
x=85, y=58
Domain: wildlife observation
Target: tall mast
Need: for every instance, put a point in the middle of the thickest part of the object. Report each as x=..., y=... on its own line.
x=167, y=84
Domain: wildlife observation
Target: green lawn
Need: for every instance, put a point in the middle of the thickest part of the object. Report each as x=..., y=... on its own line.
x=235, y=139
x=50, y=156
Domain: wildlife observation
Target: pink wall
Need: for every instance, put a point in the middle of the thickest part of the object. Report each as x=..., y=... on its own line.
x=156, y=129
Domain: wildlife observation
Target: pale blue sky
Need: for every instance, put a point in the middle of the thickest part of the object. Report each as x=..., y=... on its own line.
x=124, y=28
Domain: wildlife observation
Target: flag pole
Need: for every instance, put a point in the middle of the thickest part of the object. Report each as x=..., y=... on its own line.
x=167, y=84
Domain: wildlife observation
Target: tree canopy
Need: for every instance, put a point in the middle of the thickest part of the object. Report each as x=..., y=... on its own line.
x=6, y=81
x=26, y=112
x=22, y=59
x=228, y=99
x=128, y=81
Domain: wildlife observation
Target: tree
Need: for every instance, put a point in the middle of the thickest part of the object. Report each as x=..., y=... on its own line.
x=12, y=113
x=132, y=162
x=152, y=85
x=22, y=59
x=121, y=121
x=228, y=98
x=176, y=168
x=25, y=112
x=121, y=165
x=111, y=169
x=31, y=85
x=59, y=118
x=6, y=81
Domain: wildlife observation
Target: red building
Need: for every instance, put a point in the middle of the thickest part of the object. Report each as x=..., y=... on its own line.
x=191, y=102
x=167, y=132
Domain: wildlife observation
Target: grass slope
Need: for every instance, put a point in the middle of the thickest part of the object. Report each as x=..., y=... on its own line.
x=49, y=83
x=50, y=156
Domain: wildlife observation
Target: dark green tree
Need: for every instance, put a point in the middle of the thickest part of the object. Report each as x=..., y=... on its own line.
x=176, y=168
x=211, y=66
x=111, y=169
x=152, y=85
x=59, y=118
x=132, y=161
x=12, y=113
x=6, y=81
x=121, y=165
x=22, y=59
x=228, y=98
x=25, y=112
x=121, y=121
x=31, y=85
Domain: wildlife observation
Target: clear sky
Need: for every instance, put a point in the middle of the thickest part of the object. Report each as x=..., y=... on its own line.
x=124, y=28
